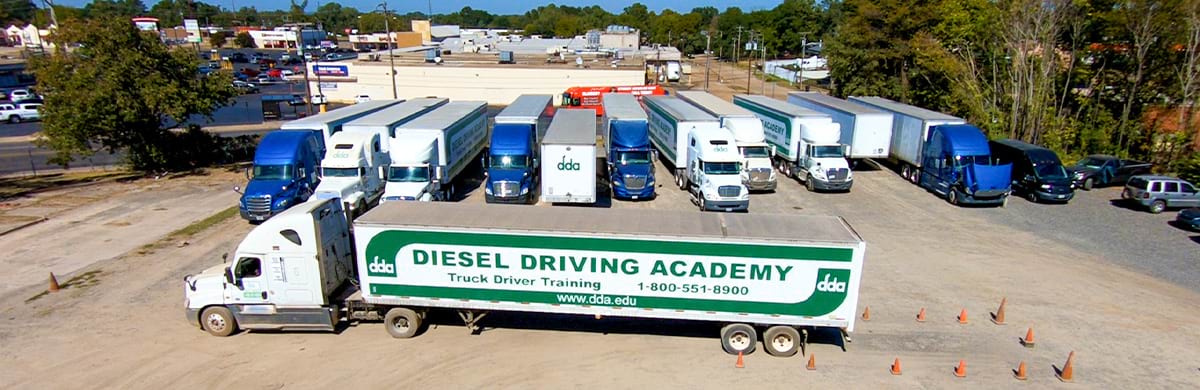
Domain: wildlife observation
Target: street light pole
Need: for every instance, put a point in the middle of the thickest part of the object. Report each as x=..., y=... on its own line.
x=707, y=56
x=391, y=59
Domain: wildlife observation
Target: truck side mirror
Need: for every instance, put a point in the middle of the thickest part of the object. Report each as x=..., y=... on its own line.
x=225, y=257
x=247, y=173
x=229, y=275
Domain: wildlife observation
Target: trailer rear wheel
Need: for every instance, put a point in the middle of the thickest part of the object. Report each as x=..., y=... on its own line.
x=782, y=341
x=738, y=338
x=679, y=180
x=402, y=323
x=905, y=171
x=218, y=321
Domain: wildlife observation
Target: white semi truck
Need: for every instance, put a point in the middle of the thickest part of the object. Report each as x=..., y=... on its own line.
x=714, y=171
x=429, y=153
x=569, y=149
x=671, y=119
x=384, y=122
x=805, y=142
x=747, y=129
x=753, y=273
x=867, y=131
x=352, y=171
x=910, y=130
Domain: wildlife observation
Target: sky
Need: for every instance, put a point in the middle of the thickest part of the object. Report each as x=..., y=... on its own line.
x=493, y=6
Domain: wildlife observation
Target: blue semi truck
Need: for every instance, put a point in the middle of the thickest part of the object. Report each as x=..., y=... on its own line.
x=512, y=160
x=630, y=156
x=284, y=173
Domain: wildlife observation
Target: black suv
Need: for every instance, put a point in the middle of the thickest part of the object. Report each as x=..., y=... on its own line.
x=1037, y=172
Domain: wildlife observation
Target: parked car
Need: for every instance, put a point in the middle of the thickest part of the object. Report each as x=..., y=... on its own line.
x=319, y=99
x=18, y=94
x=286, y=73
x=1189, y=218
x=245, y=87
x=297, y=100
x=361, y=99
x=239, y=58
x=19, y=112
x=1158, y=193
x=1037, y=172
x=1100, y=170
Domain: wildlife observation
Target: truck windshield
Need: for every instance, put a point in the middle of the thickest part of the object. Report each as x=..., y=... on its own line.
x=273, y=172
x=510, y=161
x=827, y=151
x=339, y=172
x=408, y=174
x=1050, y=171
x=633, y=157
x=721, y=168
x=755, y=152
x=1091, y=162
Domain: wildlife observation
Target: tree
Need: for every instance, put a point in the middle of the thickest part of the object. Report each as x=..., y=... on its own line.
x=117, y=89
x=218, y=39
x=14, y=11
x=115, y=8
x=244, y=40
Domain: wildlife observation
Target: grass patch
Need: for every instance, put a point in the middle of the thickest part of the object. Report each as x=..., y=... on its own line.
x=17, y=186
x=191, y=230
x=84, y=280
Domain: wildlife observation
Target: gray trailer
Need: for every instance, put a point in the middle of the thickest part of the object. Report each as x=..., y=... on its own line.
x=910, y=129
x=867, y=131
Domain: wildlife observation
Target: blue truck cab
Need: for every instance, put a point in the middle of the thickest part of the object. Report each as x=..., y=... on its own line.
x=957, y=163
x=284, y=173
x=512, y=159
x=630, y=156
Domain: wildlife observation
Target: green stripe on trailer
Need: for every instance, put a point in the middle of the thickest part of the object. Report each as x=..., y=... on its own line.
x=781, y=148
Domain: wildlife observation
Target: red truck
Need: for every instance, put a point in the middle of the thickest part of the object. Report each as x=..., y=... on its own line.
x=592, y=97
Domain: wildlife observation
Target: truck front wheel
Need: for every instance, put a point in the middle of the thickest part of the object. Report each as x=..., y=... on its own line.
x=809, y=185
x=218, y=321
x=402, y=323
x=782, y=341
x=952, y=196
x=1088, y=184
x=738, y=338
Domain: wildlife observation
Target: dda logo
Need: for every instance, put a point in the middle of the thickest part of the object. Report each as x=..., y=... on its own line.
x=831, y=285
x=566, y=165
x=381, y=267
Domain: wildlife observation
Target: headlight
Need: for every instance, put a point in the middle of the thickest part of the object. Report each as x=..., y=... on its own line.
x=281, y=203
x=817, y=173
x=487, y=189
x=710, y=195
x=524, y=190
x=1045, y=186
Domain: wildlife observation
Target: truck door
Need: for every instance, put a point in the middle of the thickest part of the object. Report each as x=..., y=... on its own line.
x=291, y=279
x=250, y=287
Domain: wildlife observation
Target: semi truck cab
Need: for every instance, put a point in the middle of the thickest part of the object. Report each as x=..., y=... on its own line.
x=353, y=171
x=284, y=174
x=957, y=163
x=511, y=164
x=823, y=164
x=283, y=275
x=714, y=171
x=414, y=169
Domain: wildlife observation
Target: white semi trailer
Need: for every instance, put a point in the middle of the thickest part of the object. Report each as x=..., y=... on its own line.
x=749, y=272
x=806, y=142
x=867, y=131
x=747, y=130
x=671, y=119
x=384, y=122
x=329, y=123
x=429, y=153
x=910, y=130
x=569, y=149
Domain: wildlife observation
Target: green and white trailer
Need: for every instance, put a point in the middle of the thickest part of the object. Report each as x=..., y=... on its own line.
x=751, y=272
x=671, y=120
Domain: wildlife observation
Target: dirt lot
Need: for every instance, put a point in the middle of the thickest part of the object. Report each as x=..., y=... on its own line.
x=120, y=324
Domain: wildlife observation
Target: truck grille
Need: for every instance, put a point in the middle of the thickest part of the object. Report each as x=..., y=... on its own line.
x=729, y=191
x=506, y=188
x=634, y=182
x=837, y=174
x=258, y=204
x=760, y=175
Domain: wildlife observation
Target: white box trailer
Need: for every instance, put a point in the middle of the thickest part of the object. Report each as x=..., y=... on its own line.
x=329, y=123
x=805, y=142
x=671, y=119
x=430, y=152
x=384, y=122
x=569, y=157
x=866, y=130
x=749, y=272
x=747, y=130
x=910, y=129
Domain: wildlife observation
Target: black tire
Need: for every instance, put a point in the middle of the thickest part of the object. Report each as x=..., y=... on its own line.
x=808, y=184
x=1032, y=197
x=402, y=323
x=952, y=196
x=905, y=171
x=679, y=181
x=218, y=321
x=738, y=338
x=700, y=201
x=14, y=119
x=782, y=341
x=1088, y=184
x=1158, y=206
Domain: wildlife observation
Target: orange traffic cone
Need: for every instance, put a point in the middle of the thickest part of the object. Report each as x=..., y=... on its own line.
x=812, y=362
x=1028, y=340
x=740, y=364
x=866, y=314
x=53, y=283
x=998, y=316
x=962, y=316
x=1067, y=373
x=896, y=367
x=1020, y=372
x=961, y=370
x=921, y=315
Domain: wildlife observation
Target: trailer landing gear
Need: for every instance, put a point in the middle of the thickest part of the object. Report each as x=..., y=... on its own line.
x=471, y=318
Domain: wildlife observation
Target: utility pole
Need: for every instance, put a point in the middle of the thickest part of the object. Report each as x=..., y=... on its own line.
x=750, y=61
x=707, y=56
x=304, y=60
x=737, y=45
x=763, y=44
x=391, y=59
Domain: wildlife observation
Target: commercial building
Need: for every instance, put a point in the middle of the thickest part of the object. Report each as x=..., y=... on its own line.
x=284, y=38
x=379, y=41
